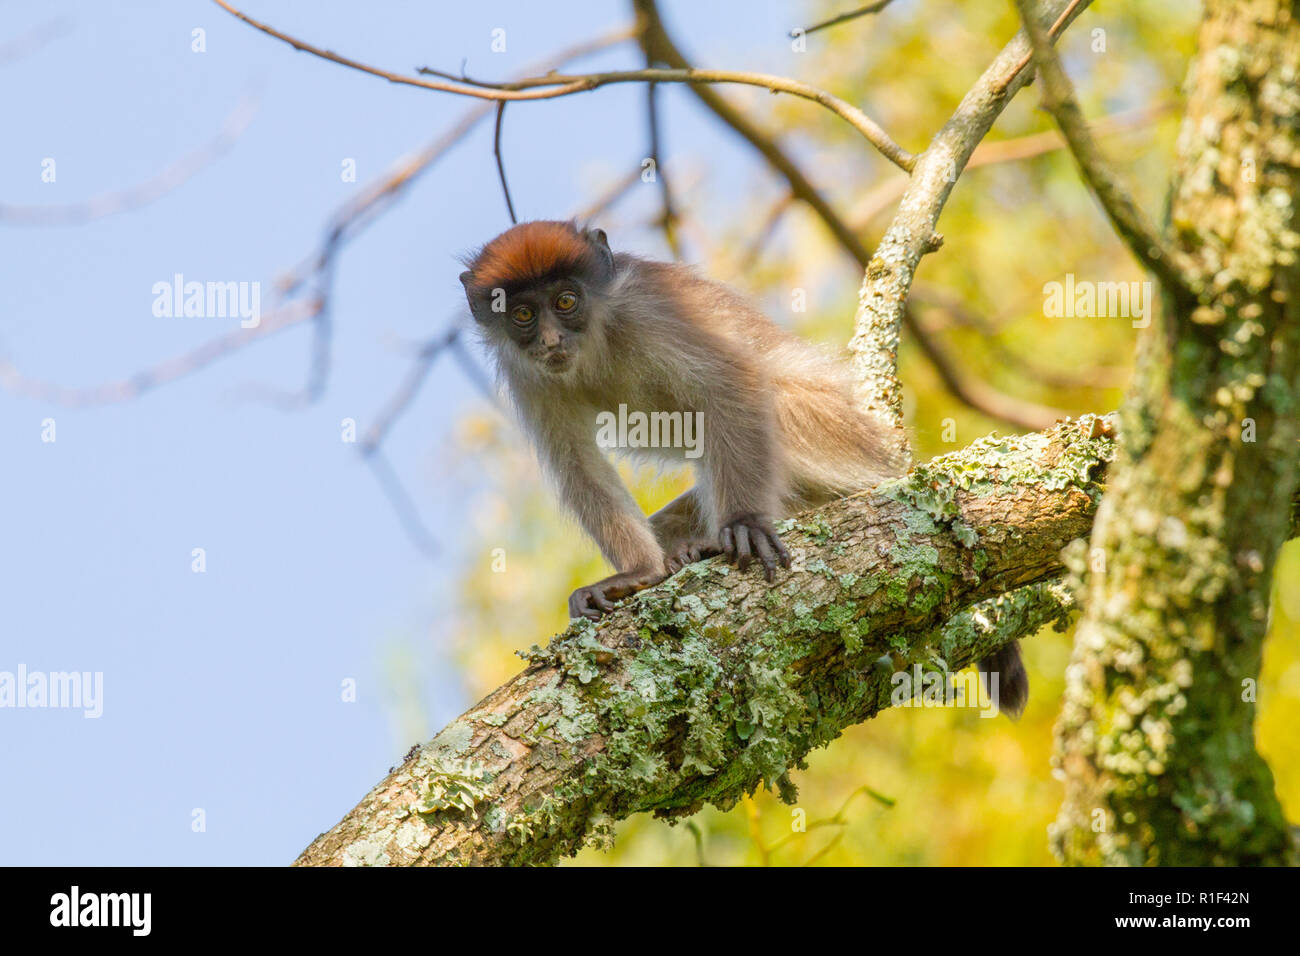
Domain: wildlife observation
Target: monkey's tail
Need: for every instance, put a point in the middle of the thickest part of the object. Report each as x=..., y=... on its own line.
x=1013, y=681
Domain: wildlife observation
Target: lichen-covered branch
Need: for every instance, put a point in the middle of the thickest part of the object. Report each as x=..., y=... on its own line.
x=713, y=684
x=1156, y=736
x=883, y=296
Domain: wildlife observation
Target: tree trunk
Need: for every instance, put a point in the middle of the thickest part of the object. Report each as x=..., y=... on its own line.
x=1156, y=736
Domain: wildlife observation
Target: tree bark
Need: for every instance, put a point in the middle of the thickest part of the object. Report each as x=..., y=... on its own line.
x=714, y=683
x=1156, y=736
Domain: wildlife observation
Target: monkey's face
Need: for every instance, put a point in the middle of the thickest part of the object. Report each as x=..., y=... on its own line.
x=537, y=290
x=546, y=322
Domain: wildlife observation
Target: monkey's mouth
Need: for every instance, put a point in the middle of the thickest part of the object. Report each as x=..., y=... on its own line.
x=557, y=361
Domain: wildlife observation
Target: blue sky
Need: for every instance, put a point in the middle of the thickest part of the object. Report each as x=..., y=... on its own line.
x=222, y=689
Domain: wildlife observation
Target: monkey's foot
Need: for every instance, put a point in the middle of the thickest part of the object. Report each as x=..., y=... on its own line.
x=690, y=551
x=597, y=599
x=745, y=535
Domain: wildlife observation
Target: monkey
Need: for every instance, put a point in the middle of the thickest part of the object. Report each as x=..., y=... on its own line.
x=576, y=330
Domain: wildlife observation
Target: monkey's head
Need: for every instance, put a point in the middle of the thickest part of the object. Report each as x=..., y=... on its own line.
x=537, y=289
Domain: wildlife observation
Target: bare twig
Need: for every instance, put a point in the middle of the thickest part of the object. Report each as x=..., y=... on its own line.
x=406, y=392
x=110, y=203
x=981, y=396
x=882, y=300
x=1130, y=222
x=501, y=166
x=1071, y=10
x=284, y=317
x=959, y=313
x=763, y=235
x=1005, y=151
x=870, y=8
x=668, y=217
x=554, y=85
x=28, y=43
x=616, y=191
x=407, y=514
x=659, y=45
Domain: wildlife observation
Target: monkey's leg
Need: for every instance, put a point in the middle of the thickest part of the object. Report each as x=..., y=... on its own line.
x=679, y=526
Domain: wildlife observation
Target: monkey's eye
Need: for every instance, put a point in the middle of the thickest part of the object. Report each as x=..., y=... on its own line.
x=522, y=315
x=566, y=302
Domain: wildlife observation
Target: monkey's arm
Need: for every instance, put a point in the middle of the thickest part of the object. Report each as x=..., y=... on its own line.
x=744, y=472
x=590, y=487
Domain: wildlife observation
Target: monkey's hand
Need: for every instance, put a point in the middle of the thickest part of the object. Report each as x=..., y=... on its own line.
x=689, y=551
x=596, y=599
x=745, y=535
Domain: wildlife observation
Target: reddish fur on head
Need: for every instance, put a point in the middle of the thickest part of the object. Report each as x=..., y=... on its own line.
x=530, y=252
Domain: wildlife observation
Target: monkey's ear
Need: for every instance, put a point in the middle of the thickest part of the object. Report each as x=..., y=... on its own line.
x=598, y=239
x=472, y=294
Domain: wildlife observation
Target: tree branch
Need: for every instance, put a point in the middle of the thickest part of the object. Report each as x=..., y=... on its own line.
x=157, y=186
x=660, y=47
x=867, y=10
x=554, y=85
x=882, y=299
x=713, y=684
x=1130, y=222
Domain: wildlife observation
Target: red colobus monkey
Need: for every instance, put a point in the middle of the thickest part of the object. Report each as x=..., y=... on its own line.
x=577, y=330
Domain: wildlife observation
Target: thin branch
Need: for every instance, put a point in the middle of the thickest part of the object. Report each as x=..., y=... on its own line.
x=406, y=392
x=959, y=313
x=111, y=203
x=870, y=8
x=1067, y=15
x=554, y=85
x=501, y=166
x=979, y=394
x=286, y=316
x=473, y=371
x=668, y=217
x=617, y=190
x=882, y=310
x=403, y=506
x=1130, y=222
x=767, y=229
x=660, y=46
x=1018, y=148
x=28, y=43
